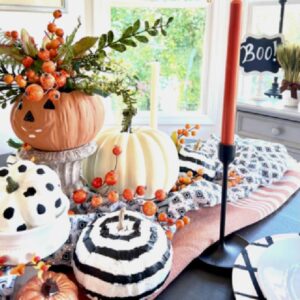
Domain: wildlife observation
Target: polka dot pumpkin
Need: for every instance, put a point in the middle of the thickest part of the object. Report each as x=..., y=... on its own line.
x=30, y=196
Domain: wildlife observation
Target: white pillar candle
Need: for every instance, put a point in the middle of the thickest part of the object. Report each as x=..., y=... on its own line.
x=154, y=88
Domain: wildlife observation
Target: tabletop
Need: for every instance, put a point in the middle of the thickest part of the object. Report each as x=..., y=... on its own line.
x=196, y=282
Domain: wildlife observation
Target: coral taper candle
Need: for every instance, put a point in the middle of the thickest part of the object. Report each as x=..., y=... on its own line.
x=155, y=70
x=231, y=76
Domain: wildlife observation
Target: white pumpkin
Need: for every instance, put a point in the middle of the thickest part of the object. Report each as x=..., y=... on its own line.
x=122, y=262
x=149, y=158
x=30, y=196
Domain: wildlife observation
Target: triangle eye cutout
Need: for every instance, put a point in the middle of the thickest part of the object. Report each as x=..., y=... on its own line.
x=29, y=117
x=20, y=105
x=49, y=104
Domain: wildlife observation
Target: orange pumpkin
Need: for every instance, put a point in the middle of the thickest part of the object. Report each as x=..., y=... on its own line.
x=51, y=286
x=68, y=123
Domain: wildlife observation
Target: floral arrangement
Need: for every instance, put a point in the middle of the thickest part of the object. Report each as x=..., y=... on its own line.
x=288, y=56
x=63, y=65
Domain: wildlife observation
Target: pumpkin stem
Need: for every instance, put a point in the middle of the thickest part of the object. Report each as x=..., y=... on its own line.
x=121, y=224
x=49, y=288
x=12, y=185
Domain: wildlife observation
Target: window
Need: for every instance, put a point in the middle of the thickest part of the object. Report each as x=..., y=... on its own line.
x=263, y=18
x=183, y=64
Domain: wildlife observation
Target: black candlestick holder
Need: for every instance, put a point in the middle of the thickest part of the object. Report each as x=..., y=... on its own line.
x=223, y=253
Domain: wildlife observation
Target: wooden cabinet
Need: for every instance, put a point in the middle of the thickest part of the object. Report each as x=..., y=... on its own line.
x=271, y=121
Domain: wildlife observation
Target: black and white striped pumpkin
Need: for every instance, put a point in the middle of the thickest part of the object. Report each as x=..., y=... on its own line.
x=131, y=263
x=30, y=196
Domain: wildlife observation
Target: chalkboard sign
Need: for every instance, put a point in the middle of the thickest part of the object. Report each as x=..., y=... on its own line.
x=259, y=54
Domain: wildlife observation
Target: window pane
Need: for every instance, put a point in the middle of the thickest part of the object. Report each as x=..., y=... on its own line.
x=265, y=20
x=179, y=55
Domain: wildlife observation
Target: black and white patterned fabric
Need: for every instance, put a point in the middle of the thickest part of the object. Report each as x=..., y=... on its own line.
x=259, y=163
x=244, y=275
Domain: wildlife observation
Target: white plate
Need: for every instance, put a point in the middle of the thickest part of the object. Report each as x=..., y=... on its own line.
x=278, y=270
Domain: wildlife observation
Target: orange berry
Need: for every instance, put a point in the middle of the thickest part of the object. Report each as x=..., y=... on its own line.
x=200, y=171
x=179, y=131
x=189, y=174
x=117, y=150
x=65, y=73
x=30, y=74
x=128, y=194
x=187, y=180
x=61, y=40
x=52, y=27
x=79, y=196
x=27, y=61
x=44, y=55
x=194, y=133
x=181, y=141
x=61, y=80
x=97, y=182
x=185, y=133
x=34, y=92
x=54, y=95
x=22, y=83
x=18, y=78
x=8, y=78
x=57, y=14
x=111, y=178
x=162, y=217
x=55, y=44
x=160, y=195
x=47, y=81
x=71, y=212
x=3, y=259
x=48, y=66
x=53, y=53
x=14, y=34
x=96, y=201
x=149, y=208
x=169, y=234
x=59, y=32
x=187, y=126
x=113, y=197
x=140, y=190
x=186, y=220
x=48, y=46
x=179, y=224
x=197, y=126
x=171, y=221
x=8, y=34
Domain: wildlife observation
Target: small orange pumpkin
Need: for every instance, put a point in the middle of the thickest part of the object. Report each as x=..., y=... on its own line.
x=68, y=123
x=51, y=286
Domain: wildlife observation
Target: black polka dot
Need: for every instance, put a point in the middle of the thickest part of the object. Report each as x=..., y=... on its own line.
x=21, y=227
x=50, y=186
x=31, y=191
x=41, y=209
x=58, y=203
x=3, y=172
x=8, y=213
x=40, y=171
x=22, y=168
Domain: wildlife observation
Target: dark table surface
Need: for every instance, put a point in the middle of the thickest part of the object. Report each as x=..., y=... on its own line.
x=196, y=282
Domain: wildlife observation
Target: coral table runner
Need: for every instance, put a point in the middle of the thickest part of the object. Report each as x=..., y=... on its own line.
x=203, y=231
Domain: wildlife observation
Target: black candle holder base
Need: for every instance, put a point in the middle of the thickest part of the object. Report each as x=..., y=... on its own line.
x=223, y=255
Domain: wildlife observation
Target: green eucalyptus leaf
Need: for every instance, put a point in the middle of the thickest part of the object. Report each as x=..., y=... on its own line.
x=84, y=44
x=128, y=32
x=110, y=36
x=101, y=54
x=118, y=47
x=129, y=42
x=153, y=32
x=142, y=39
x=102, y=41
x=3, y=106
x=136, y=26
x=12, y=52
x=163, y=32
x=147, y=25
x=156, y=23
x=170, y=20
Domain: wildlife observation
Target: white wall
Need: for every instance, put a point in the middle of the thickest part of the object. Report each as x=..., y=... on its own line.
x=36, y=23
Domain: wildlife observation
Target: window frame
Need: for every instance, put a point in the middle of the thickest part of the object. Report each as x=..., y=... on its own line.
x=213, y=67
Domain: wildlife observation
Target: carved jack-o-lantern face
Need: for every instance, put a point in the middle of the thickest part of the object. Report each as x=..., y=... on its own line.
x=71, y=122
